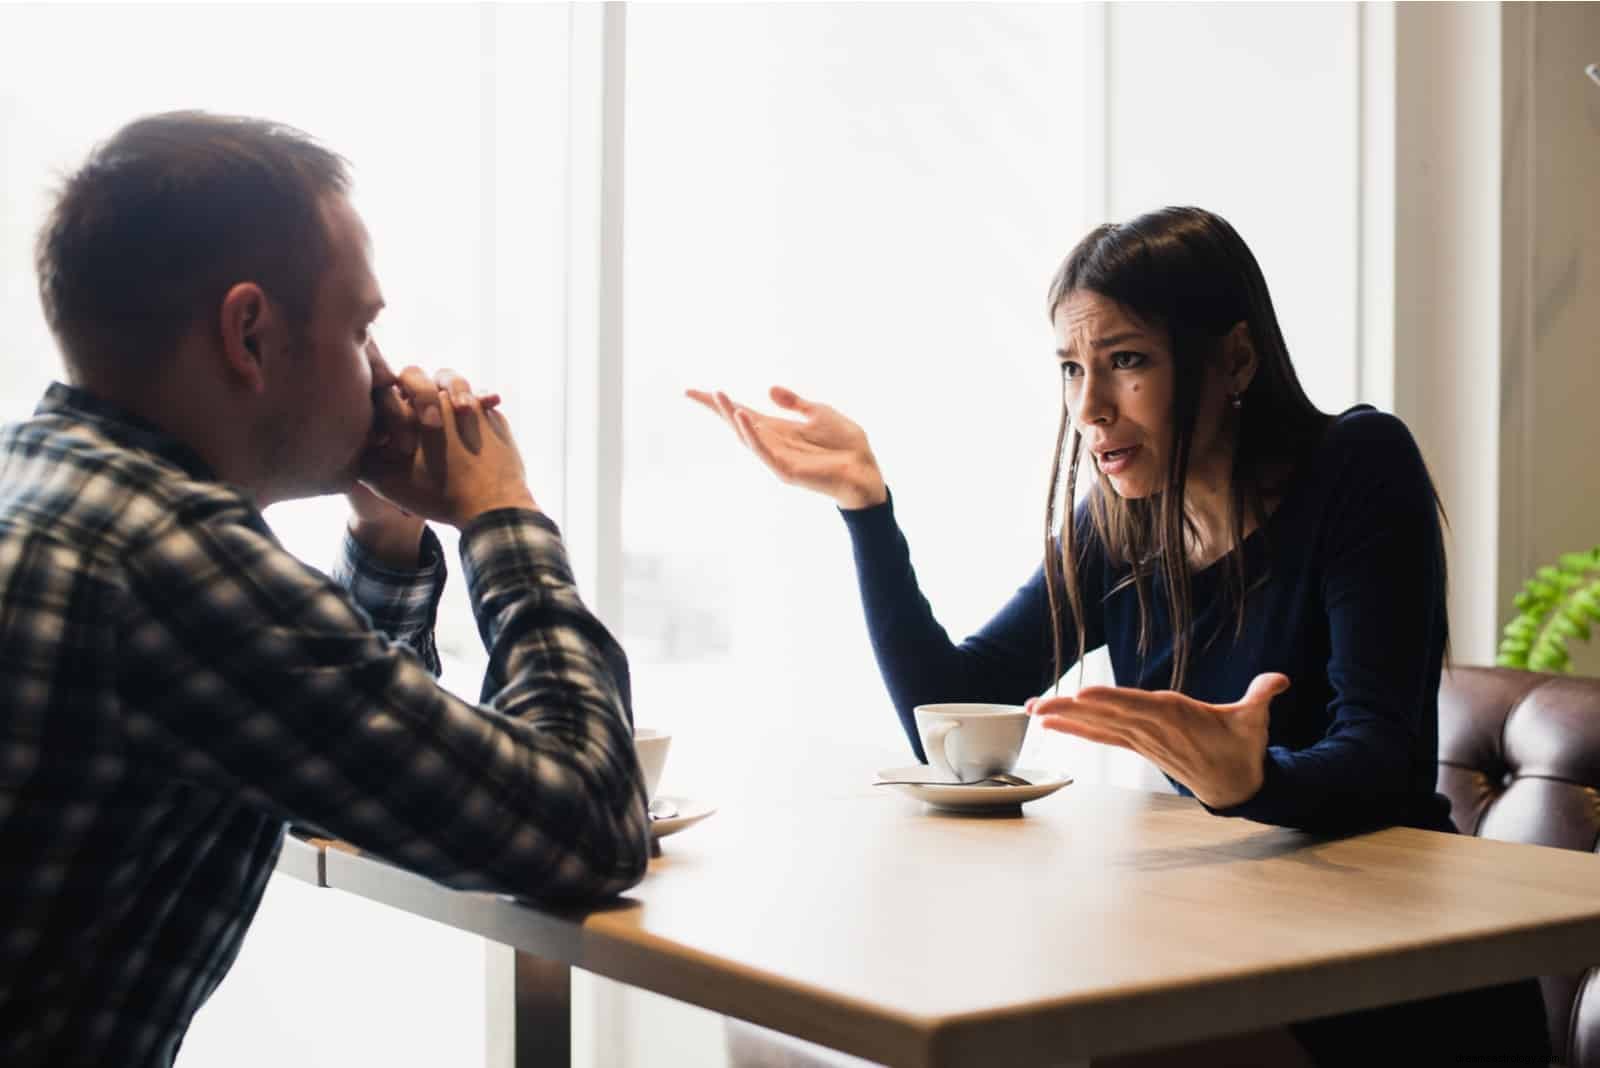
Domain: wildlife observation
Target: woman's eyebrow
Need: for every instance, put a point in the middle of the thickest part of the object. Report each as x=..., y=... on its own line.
x=1105, y=342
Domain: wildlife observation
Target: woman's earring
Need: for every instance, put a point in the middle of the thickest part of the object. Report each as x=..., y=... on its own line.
x=1236, y=401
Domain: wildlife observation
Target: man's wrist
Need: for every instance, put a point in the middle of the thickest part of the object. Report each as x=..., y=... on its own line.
x=394, y=543
x=523, y=500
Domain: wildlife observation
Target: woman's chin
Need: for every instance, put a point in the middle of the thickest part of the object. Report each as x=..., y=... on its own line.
x=1130, y=487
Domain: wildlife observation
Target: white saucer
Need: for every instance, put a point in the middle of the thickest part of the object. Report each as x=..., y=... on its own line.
x=690, y=812
x=954, y=795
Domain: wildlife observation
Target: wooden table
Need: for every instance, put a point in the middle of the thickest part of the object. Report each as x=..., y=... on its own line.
x=1098, y=922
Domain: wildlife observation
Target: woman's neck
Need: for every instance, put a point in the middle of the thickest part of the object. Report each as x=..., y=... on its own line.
x=1207, y=505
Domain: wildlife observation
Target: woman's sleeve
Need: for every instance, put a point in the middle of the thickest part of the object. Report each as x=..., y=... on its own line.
x=1007, y=661
x=1382, y=584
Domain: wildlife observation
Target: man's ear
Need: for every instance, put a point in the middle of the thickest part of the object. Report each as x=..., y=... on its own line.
x=1239, y=359
x=251, y=329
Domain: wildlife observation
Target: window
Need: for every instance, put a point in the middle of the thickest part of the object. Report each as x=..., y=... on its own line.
x=864, y=203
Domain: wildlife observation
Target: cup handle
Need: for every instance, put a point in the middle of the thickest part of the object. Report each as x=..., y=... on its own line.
x=934, y=745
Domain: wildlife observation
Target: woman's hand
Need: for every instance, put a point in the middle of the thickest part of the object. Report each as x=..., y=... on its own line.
x=821, y=451
x=1214, y=750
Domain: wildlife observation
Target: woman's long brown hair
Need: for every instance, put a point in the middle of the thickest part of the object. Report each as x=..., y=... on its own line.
x=1187, y=272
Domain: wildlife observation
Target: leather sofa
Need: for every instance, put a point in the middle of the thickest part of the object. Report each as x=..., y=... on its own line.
x=1519, y=758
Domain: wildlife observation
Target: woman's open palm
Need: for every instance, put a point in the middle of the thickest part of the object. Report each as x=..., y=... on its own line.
x=1214, y=750
x=822, y=450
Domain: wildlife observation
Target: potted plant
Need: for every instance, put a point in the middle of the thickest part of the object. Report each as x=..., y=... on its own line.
x=1560, y=602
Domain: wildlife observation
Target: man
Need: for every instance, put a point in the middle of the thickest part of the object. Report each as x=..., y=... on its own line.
x=175, y=687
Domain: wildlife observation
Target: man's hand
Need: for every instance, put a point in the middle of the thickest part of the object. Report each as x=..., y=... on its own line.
x=439, y=451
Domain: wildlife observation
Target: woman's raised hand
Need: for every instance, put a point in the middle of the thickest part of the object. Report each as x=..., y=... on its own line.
x=821, y=450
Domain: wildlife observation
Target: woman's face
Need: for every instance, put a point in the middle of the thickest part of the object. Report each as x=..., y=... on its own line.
x=1119, y=384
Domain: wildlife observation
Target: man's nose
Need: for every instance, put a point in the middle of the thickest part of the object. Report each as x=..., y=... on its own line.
x=382, y=376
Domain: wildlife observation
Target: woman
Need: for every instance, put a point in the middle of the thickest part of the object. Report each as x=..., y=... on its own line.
x=1269, y=579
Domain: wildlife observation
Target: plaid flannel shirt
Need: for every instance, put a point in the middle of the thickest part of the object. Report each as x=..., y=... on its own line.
x=175, y=687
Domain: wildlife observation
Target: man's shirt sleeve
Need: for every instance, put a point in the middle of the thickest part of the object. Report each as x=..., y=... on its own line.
x=403, y=604
x=249, y=672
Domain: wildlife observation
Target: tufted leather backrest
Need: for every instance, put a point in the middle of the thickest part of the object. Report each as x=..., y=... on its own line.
x=1519, y=758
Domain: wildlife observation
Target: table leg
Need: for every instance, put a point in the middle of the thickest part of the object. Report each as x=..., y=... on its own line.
x=530, y=1011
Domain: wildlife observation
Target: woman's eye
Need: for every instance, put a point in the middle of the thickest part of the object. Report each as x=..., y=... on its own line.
x=1070, y=369
x=1124, y=361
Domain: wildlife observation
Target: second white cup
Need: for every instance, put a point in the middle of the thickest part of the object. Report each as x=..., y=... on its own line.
x=651, y=745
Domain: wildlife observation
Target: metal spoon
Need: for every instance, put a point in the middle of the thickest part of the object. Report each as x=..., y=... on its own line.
x=662, y=809
x=1000, y=778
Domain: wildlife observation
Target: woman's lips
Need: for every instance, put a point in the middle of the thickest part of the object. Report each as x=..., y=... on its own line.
x=1115, y=461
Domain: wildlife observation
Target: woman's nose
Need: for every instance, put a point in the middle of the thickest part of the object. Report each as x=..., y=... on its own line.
x=1095, y=406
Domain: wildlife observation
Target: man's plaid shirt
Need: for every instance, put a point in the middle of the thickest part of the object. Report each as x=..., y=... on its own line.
x=175, y=687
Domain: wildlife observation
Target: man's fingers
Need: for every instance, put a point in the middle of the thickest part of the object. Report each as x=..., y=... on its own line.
x=392, y=414
x=497, y=422
x=419, y=387
x=468, y=421
x=455, y=383
x=436, y=447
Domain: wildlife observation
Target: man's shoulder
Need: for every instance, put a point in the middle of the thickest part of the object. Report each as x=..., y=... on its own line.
x=62, y=478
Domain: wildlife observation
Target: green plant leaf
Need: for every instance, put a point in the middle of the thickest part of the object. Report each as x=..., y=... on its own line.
x=1559, y=603
x=1520, y=627
x=1573, y=614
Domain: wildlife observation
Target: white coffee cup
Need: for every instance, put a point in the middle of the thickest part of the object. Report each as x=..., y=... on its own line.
x=651, y=745
x=971, y=741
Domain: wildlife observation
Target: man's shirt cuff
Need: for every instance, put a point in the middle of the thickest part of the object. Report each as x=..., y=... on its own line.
x=402, y=603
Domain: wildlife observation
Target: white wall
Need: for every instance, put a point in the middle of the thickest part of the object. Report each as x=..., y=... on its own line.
x=1480, y=221
x=1251, y=111
x=1550, y=298
x=1446, y=360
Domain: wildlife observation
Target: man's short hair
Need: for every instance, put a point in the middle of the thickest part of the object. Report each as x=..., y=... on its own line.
x=169, y=214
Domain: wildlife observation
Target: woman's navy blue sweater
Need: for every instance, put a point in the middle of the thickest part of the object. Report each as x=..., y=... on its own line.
x=1347, y=598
